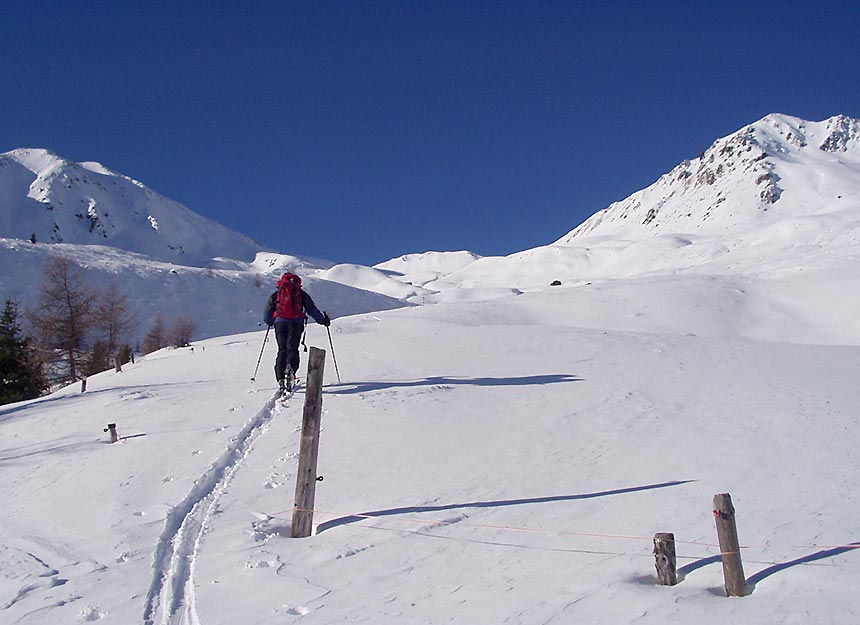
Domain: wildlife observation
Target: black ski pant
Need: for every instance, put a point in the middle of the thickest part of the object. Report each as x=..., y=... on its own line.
x=289, y=336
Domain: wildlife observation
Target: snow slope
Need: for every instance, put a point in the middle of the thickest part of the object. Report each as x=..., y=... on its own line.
x=167, y=259
x=777, y=194
x=226, y=297
x=503, y=456
x=484, y=462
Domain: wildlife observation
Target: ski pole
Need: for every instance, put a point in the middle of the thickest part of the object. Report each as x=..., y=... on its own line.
x=333, y=357
x=254, y=377
x=304, y=333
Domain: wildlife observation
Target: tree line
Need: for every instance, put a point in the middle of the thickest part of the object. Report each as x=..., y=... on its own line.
x=75, y=330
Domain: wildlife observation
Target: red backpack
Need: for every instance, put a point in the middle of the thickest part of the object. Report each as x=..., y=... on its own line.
x=289, y=301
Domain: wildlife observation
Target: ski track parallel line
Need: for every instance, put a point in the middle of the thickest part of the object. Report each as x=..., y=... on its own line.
x=179, y=541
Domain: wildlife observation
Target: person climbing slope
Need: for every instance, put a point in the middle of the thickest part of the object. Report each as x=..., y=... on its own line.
x=287, y=309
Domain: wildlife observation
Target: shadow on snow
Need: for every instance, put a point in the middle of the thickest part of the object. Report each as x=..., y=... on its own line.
x=490, y=504
x=528, y=380
x=812, y=557
x=771, y=570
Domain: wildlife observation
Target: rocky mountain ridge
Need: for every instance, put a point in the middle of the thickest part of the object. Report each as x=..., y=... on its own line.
x=741, y=178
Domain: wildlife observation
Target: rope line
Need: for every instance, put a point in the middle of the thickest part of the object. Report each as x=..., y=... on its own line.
x=508, y=528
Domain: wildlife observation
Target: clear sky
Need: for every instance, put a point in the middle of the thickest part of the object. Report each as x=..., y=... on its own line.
x=358, y=131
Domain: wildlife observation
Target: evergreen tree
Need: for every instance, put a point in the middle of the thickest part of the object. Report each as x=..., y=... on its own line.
x=98, y=359
x=125, y=354
x=156, y=338
x=20, y=373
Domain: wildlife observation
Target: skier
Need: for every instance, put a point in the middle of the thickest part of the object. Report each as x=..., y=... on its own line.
x=285, y=309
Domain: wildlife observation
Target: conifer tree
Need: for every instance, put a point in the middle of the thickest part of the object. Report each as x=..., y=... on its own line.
x=98, y=359
x=156, y=338
x=20, y=372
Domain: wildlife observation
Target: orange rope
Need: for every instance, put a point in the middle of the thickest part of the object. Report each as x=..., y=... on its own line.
x=556, y=532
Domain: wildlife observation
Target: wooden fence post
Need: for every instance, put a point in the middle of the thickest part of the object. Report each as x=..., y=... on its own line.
x=303, y=512
x=730, y=550
x=114, y=437
x=83, y=385
x=664, y=554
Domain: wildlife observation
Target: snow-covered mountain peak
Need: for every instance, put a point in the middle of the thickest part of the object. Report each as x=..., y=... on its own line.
x=843, y=135
x=42, y=162
x=98, y=168
x=49, y=199
x=780, y=166
x=37, y=160
x=783, y=133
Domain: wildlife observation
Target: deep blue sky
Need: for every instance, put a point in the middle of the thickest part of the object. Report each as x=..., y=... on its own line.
x=359, y=131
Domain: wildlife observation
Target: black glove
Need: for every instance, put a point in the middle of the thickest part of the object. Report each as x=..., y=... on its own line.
x=326, y=321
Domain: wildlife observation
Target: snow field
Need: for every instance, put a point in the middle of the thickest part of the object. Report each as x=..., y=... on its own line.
x=503, y=461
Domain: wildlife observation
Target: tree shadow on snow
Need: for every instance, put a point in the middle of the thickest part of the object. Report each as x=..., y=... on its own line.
x=352, y=388
x=48, y=448
x=346, y=520
x=10, y=412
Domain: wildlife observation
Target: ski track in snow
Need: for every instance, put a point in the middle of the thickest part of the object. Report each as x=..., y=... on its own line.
x=170, y=599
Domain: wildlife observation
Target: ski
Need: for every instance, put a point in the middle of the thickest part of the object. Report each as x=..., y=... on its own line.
x=287, y=393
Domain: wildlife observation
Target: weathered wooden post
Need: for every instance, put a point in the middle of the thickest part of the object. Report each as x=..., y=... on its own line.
x=83, y=385
x=117, y=363
x=306, y=480
x=665, y=561
x=730, y=549
x=114, y=437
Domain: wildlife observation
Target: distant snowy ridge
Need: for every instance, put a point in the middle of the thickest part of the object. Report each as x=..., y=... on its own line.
x=778, y=167
x=224, y=298
x=778, y=198
x=404, y=277
x=52, y=200
x=780, y=195
x=437, y=262
x=165, y=258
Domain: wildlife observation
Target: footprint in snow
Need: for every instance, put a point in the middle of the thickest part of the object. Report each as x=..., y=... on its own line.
x=294, y=610
x=90, y=614
x=125, y=556
x=263, y=564
x=353, y=552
